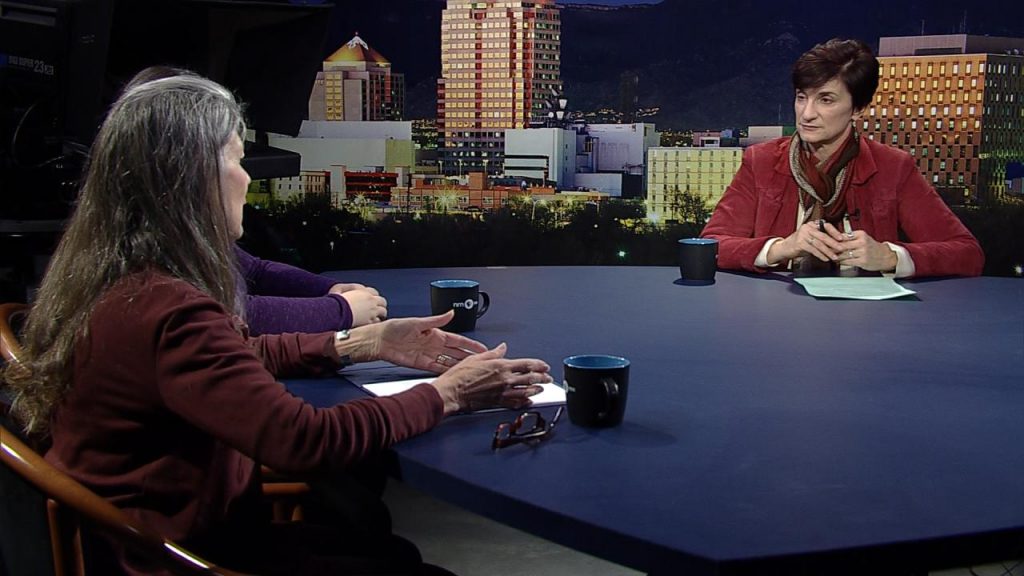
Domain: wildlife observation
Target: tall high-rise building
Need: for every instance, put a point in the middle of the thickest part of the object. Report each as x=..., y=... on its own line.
x=499, y=69
x=357, y=84
x=955, y=103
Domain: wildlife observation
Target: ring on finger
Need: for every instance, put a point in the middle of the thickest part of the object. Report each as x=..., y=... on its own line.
x=849, y=253
x=443, y=359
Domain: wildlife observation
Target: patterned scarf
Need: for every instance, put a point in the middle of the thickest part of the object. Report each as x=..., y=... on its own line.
x=822, y=184
x=822, y=188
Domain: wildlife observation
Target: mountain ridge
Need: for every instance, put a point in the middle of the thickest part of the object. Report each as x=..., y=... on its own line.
x=704, y=64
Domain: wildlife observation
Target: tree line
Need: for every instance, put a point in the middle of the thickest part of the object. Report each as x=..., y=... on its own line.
x=312, y=234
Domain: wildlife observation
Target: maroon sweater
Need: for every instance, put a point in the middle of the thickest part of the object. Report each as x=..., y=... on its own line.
x=170, y=405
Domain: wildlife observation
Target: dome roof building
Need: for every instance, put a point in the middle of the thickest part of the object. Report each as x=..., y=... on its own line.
x=357, y=83
x=357, y=50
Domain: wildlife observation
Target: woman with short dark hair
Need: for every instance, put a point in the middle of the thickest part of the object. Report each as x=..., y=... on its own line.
x=137, y=364
x=826, y=197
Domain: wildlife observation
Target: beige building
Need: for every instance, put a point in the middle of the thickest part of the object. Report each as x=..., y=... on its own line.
x=346, y=153
x=675, y=173
x=955, y=103
x=499, y=70
x=357, y=84
x=311, y=182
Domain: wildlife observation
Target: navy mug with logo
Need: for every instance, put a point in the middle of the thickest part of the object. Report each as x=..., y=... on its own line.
x=596, y=386
x=463, y=296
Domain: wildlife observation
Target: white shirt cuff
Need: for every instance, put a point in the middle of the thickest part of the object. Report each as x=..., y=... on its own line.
x=904, y=263
x=762, y=257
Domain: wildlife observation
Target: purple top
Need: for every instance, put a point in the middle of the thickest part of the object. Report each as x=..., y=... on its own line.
x=282, y=298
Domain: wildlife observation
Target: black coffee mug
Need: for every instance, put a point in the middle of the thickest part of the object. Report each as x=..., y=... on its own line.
x=698, y=260
x=463, y=296
x=596, y=386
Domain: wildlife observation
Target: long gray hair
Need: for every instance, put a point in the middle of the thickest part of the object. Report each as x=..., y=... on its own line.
x=151, y=200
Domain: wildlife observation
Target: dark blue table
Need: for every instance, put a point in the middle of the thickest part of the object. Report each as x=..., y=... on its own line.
x=766, y=431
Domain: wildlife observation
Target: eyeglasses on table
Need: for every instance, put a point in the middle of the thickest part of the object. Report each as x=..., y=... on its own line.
x=527, y=427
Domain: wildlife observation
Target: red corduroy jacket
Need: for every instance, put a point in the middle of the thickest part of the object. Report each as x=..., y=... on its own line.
x=890, y=197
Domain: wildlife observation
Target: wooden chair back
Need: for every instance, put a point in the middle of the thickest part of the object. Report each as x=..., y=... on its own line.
x=67, y=501
x=11, y=315
x=71, y=507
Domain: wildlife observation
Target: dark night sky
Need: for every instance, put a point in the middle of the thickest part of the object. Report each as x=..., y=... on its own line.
x=609, y=2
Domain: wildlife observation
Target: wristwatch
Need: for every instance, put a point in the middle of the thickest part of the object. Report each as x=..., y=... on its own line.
x=345, y=359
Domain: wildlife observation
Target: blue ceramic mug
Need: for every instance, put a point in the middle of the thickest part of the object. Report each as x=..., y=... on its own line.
x=596, y=387
x=698, y=260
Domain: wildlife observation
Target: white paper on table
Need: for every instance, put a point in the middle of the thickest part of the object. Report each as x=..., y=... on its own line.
x=552, y=393
x=853, y=288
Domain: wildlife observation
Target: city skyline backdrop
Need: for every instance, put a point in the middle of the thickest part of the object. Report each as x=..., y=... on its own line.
x=612, y=2
x=699, y=64
x=505, y=65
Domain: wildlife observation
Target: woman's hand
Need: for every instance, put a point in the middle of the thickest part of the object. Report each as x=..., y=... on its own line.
x=488, y=379
x=863, y=251
x=368, y=306
x=417, y=343
x=472, y=376
x=343, y=287
x=808, y=239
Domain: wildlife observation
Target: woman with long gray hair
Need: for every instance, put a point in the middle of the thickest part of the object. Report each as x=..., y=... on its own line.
x=139, y=372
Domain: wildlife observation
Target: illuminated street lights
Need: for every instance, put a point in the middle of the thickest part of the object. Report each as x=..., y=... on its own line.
x=557, y=105
x=447, y=200
x=533, y=211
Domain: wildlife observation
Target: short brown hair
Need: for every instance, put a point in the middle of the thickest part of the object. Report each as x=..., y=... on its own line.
x=850, y=60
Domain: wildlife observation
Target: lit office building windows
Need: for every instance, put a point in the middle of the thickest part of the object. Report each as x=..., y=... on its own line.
x=969, y=98
x=499, y=69
x=677, y=176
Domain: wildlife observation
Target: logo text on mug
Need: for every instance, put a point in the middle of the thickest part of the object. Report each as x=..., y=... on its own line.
x=468, y=304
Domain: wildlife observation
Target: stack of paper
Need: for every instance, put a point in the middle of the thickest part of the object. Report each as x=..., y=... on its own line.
x=552, y=394
x=854, y=288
